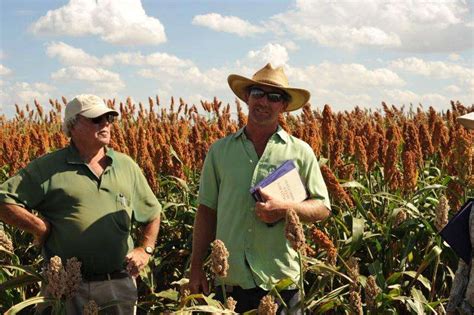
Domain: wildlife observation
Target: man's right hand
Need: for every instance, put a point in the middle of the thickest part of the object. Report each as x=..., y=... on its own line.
x=41, y=236
x=198, y=282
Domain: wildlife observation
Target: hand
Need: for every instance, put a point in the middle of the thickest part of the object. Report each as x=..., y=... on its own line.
x=198, y=282
x=136, y=260
x=271, y=210
x=43, y=232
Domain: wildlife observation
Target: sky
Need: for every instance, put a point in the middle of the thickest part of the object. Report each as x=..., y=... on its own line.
x=346, y=53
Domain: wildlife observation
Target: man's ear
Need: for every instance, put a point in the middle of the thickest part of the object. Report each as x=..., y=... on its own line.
x=246, y=96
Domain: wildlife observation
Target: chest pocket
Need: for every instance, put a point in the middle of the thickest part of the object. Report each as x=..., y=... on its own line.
x=122, y=202
x=123, y=212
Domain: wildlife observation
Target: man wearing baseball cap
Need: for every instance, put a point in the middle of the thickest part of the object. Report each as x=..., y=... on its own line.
x=253, y=232
x=85, y=195
x=461, y=297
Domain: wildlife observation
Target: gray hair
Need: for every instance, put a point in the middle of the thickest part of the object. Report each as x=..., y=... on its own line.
x=68, y=124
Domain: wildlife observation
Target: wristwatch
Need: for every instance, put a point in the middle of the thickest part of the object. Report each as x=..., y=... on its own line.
x=149, y=250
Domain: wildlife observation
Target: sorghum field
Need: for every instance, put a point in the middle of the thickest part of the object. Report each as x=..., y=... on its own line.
x=395, y=176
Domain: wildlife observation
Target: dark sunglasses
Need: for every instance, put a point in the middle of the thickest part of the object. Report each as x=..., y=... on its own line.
x=108, y=117
x=273, y=97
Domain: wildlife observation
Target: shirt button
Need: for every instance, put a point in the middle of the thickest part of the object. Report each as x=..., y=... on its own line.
x=250, y=230
x=251, y=161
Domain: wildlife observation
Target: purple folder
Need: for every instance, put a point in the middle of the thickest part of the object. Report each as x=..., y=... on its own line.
x=284, y=168
x=456, y=232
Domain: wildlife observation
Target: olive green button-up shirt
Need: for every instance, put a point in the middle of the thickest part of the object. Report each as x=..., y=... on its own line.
x=90, y=216
x=259, y=255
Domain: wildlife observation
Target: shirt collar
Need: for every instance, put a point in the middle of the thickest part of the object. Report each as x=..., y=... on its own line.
x=73, y=157
x=280, y=132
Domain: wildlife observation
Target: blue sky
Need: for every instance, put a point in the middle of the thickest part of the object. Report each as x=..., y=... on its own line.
x=346, y=53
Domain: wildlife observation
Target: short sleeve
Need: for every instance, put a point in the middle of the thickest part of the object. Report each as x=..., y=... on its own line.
x=23, y=189
x=145, y=205
x=208, y=185
x=314, y=179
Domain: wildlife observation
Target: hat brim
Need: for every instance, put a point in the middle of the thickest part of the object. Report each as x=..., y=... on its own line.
x=467, y=120
x=98, y=111
x=239, y=85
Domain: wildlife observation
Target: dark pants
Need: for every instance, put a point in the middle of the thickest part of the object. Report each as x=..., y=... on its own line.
x=249, y=299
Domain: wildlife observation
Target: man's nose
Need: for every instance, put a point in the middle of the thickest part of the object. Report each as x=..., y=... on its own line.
x=263, y=100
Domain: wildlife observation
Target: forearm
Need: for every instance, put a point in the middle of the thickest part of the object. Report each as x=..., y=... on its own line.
x=23, y=219
x=310, y=210
x=150, y=233
x=203, y=234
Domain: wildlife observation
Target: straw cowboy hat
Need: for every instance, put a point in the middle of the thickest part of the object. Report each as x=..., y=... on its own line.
x=271, y=77
x=467, y=120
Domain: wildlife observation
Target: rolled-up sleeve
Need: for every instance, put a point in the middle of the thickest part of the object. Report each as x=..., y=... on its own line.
x=22, y=189
x=314, y=179
x=209, y=183
x=145, y=205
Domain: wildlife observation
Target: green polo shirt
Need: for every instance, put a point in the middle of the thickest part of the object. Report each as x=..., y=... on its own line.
x=259, y=255
x=90, y=216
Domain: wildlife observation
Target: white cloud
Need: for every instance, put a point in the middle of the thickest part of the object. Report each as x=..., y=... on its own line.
x=347, y=37
x=407, y=97
x=433, y=69
x=4, y=71
x=72, y=56
x=338, y=100
x=274, y=53
x=115, y=21
x=22, y=93
x=405, y=24
x=101, y=80
x=85, y=74
x=228, y=24
x=290, y=45
x=454, y=57
x=452, y=89
x=154, y=59
x=69, y=55
x=344, y=77
x=210, y=80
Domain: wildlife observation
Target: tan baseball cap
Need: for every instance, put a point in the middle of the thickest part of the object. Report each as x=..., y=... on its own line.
x=87, y=105
x=467, y=120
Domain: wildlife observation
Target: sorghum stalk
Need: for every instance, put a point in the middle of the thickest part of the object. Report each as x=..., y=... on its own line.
x=441, y=211
x=91, y=308
x=294, y=230
x=267, y=306
x=219, y=264
x=230, y=303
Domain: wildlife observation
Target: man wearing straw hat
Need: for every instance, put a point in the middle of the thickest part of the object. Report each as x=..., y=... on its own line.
x=86, y=195
x=461, y=298
x=253, y=232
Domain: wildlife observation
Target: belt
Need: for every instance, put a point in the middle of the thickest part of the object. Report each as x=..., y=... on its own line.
x=233, y=288
x=120, y=274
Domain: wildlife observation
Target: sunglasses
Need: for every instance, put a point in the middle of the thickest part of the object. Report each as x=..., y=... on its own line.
x=273, y=97
x=108, y=117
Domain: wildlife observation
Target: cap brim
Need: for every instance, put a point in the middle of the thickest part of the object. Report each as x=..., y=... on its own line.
x=98, y=111
x=239, y=85
x=467, y=120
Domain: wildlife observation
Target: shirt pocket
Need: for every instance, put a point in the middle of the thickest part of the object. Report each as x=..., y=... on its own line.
x=123, y=212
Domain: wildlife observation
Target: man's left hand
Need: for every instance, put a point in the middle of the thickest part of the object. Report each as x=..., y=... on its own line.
x=136, y=260
x=271, y=210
